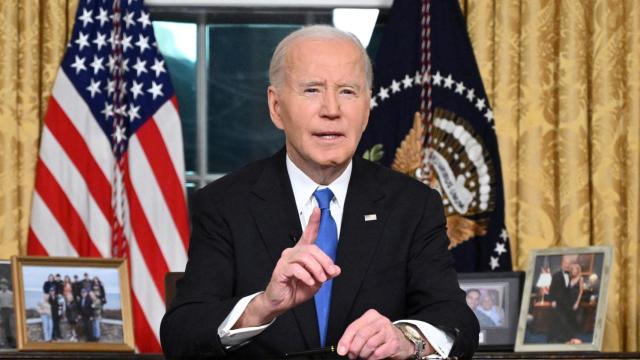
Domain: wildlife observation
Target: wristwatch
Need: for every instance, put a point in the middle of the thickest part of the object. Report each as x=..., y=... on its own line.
x=412, y=334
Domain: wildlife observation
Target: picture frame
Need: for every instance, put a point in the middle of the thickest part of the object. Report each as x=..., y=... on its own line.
x=495, y=299
x=72, y=304
x=564, y=300
x=7, y=313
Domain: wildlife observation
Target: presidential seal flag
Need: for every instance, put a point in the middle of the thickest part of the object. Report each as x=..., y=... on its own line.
x=110, y=171
x=431, y=119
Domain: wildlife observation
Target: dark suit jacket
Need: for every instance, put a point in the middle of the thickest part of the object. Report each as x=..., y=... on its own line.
x=398, y=264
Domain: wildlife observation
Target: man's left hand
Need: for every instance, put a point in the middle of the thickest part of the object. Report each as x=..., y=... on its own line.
x=373, y=336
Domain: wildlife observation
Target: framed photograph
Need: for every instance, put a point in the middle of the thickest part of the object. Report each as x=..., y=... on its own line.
x=7, y=317
x=495, y=299
x=76, y=304
x=564, y=300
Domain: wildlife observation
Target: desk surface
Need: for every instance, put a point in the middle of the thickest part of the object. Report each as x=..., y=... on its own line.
x=478, y=356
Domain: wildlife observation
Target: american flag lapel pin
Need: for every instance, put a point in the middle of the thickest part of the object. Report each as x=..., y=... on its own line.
x=370, y=217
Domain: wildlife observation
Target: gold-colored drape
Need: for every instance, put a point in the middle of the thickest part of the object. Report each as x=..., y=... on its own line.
x=563, y=77
x=33, y=34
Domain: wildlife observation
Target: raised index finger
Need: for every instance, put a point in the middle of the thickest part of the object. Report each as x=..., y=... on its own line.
x=311, y=232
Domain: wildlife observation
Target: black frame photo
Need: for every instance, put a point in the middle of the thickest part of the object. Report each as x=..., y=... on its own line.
x=565, y=299
x=494, y=298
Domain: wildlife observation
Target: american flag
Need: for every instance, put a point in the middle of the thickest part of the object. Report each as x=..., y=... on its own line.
x=110, y=172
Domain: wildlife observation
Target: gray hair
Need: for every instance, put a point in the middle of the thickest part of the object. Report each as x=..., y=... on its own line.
x=276, y=67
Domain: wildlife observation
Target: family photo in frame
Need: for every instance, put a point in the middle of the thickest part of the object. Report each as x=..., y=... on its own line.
x=564, y=300
x=495, y=300
x=72, y=304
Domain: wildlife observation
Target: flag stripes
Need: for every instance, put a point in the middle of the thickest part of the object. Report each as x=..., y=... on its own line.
x=76, y=175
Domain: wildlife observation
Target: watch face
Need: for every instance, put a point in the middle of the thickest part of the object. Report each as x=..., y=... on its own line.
x=412, y=332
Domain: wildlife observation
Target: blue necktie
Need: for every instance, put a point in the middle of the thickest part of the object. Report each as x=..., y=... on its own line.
x=327, y=240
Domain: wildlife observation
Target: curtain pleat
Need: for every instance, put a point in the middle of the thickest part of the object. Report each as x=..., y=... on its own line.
x=33, y=35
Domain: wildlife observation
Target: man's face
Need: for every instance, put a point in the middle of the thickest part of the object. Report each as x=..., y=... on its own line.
x=566, y=263
x=472, y=299
x=322, y=104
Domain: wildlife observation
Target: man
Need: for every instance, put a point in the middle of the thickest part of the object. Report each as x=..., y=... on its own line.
x=55, y=313
x=6, y=311
x=563, y=328
x=473, y=300
x=76, y=287
x=257, y=286
x=86, y=313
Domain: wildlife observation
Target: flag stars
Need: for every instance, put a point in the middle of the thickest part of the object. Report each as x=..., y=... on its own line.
x=136, y=89
x=448, y=82
x=133, y=113
x=119, y=134
x=125, y=64
x=407, y=81
x=100, y=40
x=471, y=95
x=111, y=86
x=111, y=63
x=155, y=90
x=426, y=78
x=489, y=115
x=158, y=67
x=108, y=110
x=102, y=16
x=140, y=67
x=480, y=104
x=503, y=235
x=143, y=43
x=82, y=40
x=97, y=64
x=126, y=43
x=373, y=103
x=144, y=19
x=494, y=263
x=417, y=79
x=78, y=64
x=128, y=19
x=437, y=79
x=94, y=88
x=395, y=86
x=383, y=93
x=85, y=17
x=500, y=249
x=122, y=110
x=460, y=88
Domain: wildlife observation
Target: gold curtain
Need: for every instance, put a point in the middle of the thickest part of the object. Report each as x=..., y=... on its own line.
x=563, y=77
x=33, y=34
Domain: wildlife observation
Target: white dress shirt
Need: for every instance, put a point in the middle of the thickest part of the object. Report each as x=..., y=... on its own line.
x=303, y=189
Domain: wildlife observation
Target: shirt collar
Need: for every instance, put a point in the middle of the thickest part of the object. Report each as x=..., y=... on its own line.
x=303, y=187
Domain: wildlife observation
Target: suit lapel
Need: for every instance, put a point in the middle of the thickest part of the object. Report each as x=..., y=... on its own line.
x=274, y=210
x=357, y=244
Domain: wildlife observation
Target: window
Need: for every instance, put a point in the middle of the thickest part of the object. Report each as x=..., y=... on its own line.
x=218, y=58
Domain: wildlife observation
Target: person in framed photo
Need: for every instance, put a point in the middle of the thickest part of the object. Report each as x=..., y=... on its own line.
x=6, y=311
x=86, y=313
x=489, y=307
x=56, y=311
x=44, y=310
x=50, y=283
x=473, y=300
x=72, y=312
x=96, y=306
x=563, y=301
